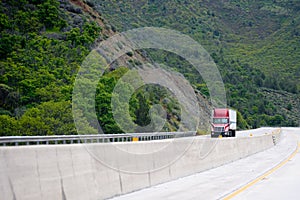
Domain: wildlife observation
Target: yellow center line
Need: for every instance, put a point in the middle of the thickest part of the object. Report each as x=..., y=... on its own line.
x=245, y=187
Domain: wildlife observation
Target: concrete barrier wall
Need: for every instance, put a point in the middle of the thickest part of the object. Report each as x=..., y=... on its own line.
x=100, y=171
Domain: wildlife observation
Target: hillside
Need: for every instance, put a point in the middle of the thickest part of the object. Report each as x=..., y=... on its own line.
x=42, y=46
x=44, y=42
x=254, y=43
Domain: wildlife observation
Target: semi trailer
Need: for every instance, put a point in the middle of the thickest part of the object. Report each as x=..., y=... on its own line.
x=224, y=122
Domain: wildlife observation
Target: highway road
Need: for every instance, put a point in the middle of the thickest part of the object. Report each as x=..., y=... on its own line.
x=271, y=174
x=283, y=183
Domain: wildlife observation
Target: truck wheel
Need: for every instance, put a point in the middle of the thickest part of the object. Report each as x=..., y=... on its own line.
x=233, y=133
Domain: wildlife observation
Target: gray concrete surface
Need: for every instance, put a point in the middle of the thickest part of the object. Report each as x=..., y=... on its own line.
x=255, y=132
x=99, y=171
x=283, y=183
x=219, y=182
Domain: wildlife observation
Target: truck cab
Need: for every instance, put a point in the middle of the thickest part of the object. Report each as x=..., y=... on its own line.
x=223, y=122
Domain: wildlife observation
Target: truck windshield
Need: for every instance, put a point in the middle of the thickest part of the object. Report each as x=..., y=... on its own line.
x=220, y=120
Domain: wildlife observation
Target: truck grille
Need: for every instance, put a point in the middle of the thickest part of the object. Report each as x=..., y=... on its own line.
x=219, y=129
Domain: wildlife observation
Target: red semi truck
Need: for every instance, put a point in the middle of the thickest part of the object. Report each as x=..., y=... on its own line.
x=223, y=122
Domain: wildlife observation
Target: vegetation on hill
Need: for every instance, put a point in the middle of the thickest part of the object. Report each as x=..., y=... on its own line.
x=41, y=48
x=43, y=43
x=255, y=44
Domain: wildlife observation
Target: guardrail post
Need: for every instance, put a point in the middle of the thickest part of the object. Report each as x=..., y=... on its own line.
x=274, y=140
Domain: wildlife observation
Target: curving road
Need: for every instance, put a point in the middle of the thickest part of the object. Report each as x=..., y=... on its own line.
x=283, y=183
x=226, y=181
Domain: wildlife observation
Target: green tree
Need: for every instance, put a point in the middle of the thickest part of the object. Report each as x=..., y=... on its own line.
x=142, y=111
x=241, y=122
x=9, y=126
x=49, y=14
x=49, y=118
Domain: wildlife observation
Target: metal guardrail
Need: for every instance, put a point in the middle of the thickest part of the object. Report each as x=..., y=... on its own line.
x=81, y=139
